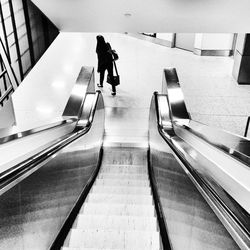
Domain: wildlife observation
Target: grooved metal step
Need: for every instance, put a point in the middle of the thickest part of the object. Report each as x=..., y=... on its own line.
x=118, y=213
x=121, y=199
x=118, y=209
x=122, y=182
x=129, y=169
x=125, y=240
x=140, y=176
x=116, y=222
x=110, y=189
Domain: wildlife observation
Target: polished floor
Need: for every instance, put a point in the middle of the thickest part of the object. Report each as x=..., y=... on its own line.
x=212, y=95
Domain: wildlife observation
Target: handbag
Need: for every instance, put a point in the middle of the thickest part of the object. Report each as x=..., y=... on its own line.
x=116, y=78
x=115, y=55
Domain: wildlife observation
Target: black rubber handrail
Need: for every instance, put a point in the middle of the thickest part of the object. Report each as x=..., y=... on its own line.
x=69, y=221
x=158, y=207
x=247, y=126
x=166, y=244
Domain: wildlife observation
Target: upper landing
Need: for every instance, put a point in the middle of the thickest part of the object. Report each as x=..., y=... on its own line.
x=211, y=94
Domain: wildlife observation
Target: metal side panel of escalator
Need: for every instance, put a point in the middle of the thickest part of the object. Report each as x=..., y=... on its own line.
x=34, y=209
x=203, y=205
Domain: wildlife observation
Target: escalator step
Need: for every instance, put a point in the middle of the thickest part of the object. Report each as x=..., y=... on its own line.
x=115, y=222
x=87, y=248
x=122, y=182
x=120, y=199
x=141, y=176
x=125, y=156
x=125, y=240
x=120, y=190
x=129, y=169
x=118, y=209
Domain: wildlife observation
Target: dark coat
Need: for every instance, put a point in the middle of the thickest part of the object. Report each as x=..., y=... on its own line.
x=104, y=56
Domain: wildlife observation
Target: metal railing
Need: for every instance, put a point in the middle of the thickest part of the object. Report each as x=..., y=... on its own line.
x=246, y=134
x=8, y=81
x=191, y=142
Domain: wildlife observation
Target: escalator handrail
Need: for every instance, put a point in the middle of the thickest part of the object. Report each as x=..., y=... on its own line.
x=84, y=84
x=10, y=177
x=235, y=146
x=214, y=200
x=158, y=207
x=10, y=136
x=162, y=223
x=239, y=152
x=71, y=114
x=64, y=231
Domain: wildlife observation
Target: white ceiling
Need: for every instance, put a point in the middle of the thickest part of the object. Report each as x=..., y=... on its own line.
x=148, y=15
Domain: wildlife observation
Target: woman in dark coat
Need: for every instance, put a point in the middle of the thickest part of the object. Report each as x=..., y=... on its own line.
x=105, y=61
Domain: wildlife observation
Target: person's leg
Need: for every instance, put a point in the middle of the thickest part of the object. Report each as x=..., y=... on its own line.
x=113, y=90
x=102, y=74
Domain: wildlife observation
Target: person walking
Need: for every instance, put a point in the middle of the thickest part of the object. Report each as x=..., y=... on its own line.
x=105, y=62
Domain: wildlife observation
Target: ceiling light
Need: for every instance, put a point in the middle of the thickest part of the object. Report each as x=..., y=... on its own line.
x=127, y=15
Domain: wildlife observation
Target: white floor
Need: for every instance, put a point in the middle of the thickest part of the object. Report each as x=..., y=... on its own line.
x=212, y=95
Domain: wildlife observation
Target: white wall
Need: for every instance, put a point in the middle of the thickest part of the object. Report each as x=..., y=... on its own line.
x=213, y=41
x=43, y=94
x=240, y=43
x=165, y=36
x=185, y=41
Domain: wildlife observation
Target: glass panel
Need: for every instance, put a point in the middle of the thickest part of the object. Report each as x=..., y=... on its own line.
x=26, y=61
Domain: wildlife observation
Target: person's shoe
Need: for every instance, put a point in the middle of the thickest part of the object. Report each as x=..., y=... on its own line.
x=113, y=93
x=99, y=85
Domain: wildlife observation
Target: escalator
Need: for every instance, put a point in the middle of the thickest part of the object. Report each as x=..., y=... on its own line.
x=118, y=212
x=85, y=195
x=40, y=192
x=34, y=209
x=201, y=175
x=116, y=215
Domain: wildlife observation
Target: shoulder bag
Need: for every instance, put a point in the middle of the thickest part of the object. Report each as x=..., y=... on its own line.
x=116, y=77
